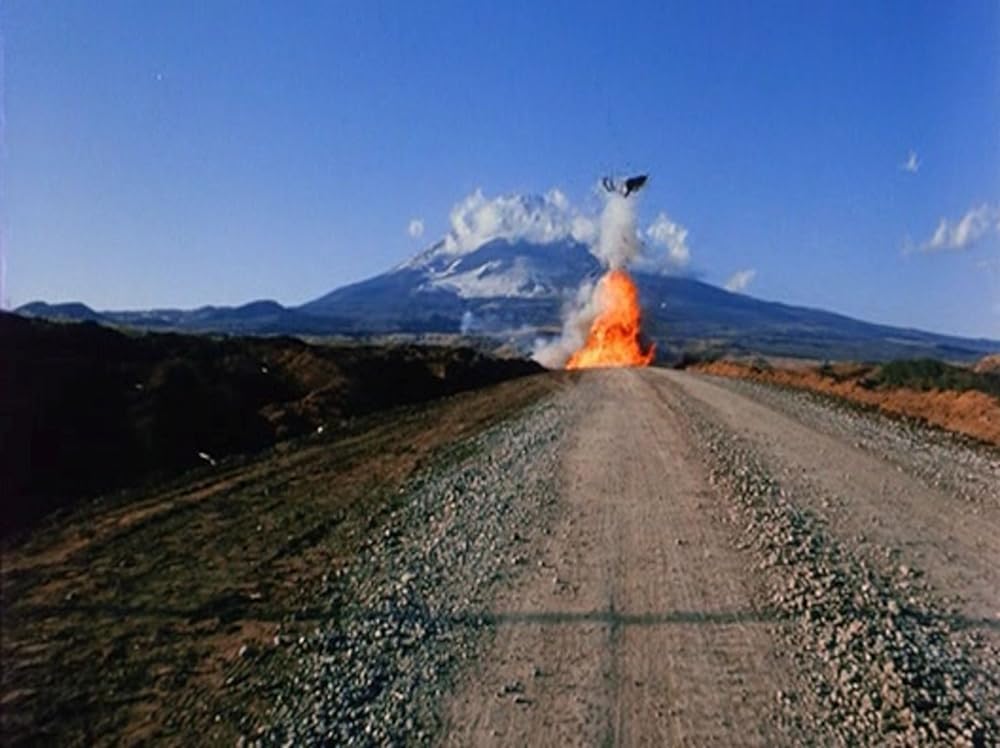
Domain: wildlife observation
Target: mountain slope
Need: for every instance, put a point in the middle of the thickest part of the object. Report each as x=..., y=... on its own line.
x=505, y=286
x=516, y=290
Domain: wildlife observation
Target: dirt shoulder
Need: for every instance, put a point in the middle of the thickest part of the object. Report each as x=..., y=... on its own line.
x=970, y=412
x=122, y=620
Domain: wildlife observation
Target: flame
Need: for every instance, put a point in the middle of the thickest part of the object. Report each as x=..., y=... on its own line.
x=613, y=339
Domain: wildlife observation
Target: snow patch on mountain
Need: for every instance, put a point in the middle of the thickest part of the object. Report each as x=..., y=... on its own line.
x=518, y=279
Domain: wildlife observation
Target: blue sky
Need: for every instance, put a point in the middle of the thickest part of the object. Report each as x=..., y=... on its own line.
x=178, y=154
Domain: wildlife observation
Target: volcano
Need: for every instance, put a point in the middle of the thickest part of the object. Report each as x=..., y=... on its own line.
x=515, y=289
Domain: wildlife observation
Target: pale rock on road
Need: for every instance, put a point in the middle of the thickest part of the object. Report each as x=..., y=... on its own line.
x=731, y=565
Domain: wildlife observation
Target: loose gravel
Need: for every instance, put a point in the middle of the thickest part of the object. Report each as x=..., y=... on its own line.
x=884, y=665
x=412, y=608
x=940, y=459
x=879, y=658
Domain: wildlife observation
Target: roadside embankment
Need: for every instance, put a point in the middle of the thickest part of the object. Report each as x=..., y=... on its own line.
x=968, y=411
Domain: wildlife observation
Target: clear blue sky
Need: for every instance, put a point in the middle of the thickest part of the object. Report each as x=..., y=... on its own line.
x=184, y=153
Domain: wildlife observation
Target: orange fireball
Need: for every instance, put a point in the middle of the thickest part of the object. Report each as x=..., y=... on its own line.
x=613, y=339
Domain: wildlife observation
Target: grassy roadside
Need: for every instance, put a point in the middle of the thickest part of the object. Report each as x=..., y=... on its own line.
x=123, y=620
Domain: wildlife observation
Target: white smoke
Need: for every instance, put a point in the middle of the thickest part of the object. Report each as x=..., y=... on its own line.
x=616, y=246
x=578, y=315
x=617, y=242
x=612, y=236
x=468, y=323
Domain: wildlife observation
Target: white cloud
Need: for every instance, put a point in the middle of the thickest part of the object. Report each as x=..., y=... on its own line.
x=912, y=163
x=739, y=280
x=416, y=228
x=977, y=223
x=552, y=217
x=670, y=235
x=478, y=219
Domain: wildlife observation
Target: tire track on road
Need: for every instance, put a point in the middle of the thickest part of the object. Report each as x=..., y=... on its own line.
x=640, y=627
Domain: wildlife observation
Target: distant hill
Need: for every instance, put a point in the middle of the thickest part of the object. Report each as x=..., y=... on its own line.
x=515, y=291
x=257, y=317
x=72, y=311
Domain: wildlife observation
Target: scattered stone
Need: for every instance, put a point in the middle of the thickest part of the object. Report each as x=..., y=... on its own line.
x=882, y=670
x=373, y=673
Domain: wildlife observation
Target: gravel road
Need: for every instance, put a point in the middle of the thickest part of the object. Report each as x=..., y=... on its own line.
x=656, y=558
x=412, y=608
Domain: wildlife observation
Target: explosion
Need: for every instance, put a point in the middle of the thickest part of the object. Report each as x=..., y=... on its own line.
x=601, y=325
x=613, y=339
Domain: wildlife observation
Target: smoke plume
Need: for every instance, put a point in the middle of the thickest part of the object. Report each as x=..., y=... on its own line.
x=578, y=315
x=616, y=245
x=617, y=241
x=468, y=324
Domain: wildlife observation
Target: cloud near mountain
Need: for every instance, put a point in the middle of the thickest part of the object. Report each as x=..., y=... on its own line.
x=671, y=236
x=509, y=267
x=551, y=218
x=540, y=219
x=516, y=291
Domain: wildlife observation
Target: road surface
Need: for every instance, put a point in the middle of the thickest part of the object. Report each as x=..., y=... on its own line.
x=733, y=565
x=618, y=557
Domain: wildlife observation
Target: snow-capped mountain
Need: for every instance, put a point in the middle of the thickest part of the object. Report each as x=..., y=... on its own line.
x=516, y=290
x=501, y=286
x=513, y=246
x=506, y=263
x=507, y=269
x=501, y=268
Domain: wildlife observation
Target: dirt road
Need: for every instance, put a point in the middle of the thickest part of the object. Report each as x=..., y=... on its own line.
x=739, y=567
x=618, y=557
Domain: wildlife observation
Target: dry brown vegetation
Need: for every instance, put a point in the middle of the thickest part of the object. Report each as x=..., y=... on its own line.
x=123, y=615
x=86, y=409
x=988, y=365
x=122, y=620
x=969, y=411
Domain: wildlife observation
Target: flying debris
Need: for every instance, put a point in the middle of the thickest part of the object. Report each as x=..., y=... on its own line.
x=626, y=187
